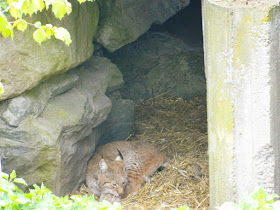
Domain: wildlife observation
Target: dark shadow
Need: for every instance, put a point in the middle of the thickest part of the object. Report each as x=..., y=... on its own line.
x=186, y=25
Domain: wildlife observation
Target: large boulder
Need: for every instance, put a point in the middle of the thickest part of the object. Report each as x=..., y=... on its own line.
x=49, y=133
x=123, y=21
x=24, y=63
x=160, y=65
x=118, y=124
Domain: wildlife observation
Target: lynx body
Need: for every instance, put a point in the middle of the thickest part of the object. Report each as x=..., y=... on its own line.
x=121, y=167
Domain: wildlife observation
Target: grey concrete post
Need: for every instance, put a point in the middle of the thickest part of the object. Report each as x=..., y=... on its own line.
x=242, y=64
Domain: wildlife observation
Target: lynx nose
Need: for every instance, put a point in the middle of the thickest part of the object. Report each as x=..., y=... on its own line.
x=120, y=191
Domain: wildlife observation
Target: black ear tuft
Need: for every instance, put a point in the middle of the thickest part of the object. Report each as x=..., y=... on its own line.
x=120, y=156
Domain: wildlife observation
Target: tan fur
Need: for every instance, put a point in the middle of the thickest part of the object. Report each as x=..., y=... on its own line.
x=140, y=161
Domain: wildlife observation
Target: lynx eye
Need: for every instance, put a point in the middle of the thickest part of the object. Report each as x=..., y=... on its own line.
x=124, y=183
x=114, y=185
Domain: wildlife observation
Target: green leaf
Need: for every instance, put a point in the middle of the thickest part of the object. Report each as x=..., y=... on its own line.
x=183, y=208
x=3, y=5
x=1, y=92
x=5, y=27
x=20, y=181
x=38, y=24
x=10, y=2
x=19, y=4
x=38, y=5
x=4, y=203
x=68, y=7
x=47, y=4
x=32, y=6
x=8, y=32
x=15, y=13
x=13, y=175
x=3, y=22
x=21, y=199
x=24, y=7
x=82, y=1
x=39, y=35
x=4, y=175
x=59, y=9
x=20, y=24
x=62, y=34
x=49, y=32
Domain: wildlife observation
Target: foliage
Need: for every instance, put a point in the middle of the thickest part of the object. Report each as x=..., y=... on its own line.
x=16, y=9
x=183, y=208
x=256, y=201
x=11, y=197
x=1, y=89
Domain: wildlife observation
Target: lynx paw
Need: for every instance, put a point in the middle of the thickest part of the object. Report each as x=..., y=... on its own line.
x=165, y=165
x=147, y=179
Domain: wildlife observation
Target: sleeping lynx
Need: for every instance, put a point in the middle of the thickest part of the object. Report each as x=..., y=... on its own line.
x=119, y=168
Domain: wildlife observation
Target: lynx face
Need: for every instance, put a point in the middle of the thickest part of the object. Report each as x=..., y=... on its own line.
x=112, y=178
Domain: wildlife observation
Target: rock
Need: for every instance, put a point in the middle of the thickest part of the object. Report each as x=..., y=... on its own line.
x=123, y=21
x=27, y=63
x=118, y=124
x=28, y=104
x=159, y=65
x=54, y=136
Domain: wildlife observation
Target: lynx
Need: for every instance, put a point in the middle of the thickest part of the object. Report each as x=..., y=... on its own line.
x=120, y=168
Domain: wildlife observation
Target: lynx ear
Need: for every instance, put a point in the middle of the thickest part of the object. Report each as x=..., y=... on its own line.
x=103, y=166
x=119, y=157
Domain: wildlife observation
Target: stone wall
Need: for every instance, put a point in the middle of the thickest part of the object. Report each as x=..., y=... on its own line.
x=26, y=63
x=49, y=133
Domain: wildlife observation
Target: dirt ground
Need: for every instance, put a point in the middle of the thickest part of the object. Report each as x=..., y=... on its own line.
x=179, y=129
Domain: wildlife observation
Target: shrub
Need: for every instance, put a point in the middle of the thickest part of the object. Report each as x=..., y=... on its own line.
x=12, y=197
x=258, y=200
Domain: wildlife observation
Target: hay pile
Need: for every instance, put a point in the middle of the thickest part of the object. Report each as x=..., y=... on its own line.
x=179, y=129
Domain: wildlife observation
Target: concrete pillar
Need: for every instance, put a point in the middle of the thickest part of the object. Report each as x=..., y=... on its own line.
x=242, y=64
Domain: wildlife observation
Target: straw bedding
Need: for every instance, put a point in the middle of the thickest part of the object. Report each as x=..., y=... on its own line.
x=179, y=129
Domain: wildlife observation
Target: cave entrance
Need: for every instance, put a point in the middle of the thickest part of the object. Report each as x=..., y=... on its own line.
x=185, y=25
x=163, y=73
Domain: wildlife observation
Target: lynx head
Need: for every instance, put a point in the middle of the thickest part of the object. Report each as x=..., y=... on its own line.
x=112, y=177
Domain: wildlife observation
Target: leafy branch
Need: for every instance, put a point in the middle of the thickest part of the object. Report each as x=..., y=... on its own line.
x=18, y=8
x=40, y=197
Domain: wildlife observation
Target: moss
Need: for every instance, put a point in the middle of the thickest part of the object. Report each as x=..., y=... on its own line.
x=242, y=43
x=220, y=101
x=62, y=114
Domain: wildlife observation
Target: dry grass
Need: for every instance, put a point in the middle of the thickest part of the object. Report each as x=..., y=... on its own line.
x=178, y=128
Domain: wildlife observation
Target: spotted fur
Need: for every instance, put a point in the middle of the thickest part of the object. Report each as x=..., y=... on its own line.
x=120, y=168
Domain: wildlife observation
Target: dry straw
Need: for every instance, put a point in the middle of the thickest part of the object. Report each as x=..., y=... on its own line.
x=179, y=129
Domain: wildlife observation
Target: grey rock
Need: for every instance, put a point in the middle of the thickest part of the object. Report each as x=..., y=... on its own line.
x=123, y=21
x=119, y=122
x=33, y=102
x=58, y=130
x=25, y=63
x=160, y=65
